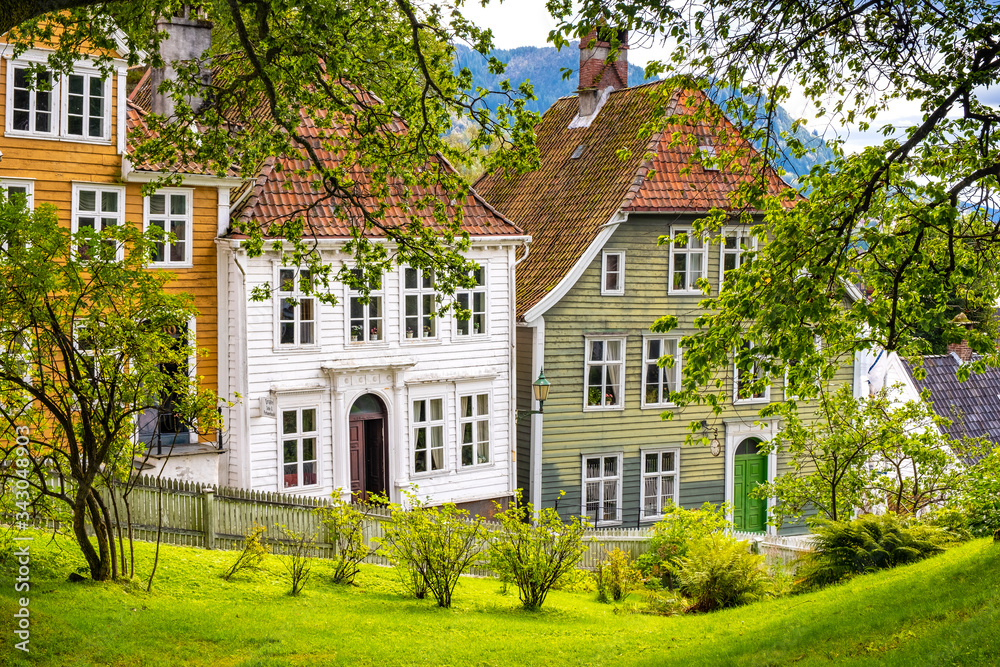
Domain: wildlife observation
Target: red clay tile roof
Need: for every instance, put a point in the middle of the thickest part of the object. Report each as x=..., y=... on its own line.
x=279, y=194
x=564, y=203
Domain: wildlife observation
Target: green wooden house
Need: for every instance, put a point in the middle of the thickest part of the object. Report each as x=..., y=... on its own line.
x=588, y=291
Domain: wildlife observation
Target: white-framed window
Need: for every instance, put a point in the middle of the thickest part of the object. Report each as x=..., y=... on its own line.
x=98, y=207
x=299, y=438
x=366, y=319
x=660, y=482
x=604, y=373
x=473, y=300
x=15, y=187
x=170, y=211
x=86, y=102
x=658, y=381
x=19, y=186
x=428, y=435
x=734, y=242
x=419, y=302
x=32, y=101
x=74, y=106
x=613, y=273
x=688, y=261
x=756, y=372
x=602, y=488
x=296, y=311
x=474, y=427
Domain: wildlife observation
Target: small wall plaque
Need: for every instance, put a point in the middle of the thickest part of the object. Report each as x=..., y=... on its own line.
x=267, y=407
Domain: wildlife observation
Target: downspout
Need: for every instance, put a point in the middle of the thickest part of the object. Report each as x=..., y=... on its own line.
x=244, y=379
x=538, y=359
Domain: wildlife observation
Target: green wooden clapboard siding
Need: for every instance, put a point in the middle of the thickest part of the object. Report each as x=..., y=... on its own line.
x=524, y=338
x=570, y=433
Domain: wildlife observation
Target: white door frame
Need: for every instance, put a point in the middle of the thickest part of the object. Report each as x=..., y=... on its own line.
x=736, y=432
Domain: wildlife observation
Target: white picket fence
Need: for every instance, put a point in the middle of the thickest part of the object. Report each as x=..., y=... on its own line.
x=191, y=514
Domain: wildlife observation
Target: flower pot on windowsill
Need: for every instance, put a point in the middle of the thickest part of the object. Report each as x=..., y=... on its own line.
x=475, y=329
x=409, y=334
x=354, y=339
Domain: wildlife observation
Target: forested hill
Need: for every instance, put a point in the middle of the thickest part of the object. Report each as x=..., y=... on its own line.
x=542, y=67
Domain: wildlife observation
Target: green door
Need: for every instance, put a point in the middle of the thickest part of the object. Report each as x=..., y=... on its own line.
x=749, y=514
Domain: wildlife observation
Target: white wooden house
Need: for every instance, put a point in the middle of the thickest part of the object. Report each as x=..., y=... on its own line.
x=376, y=398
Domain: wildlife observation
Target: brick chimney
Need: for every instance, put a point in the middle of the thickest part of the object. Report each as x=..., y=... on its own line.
x=595, y=73
x=961, y=350
x=189, y=36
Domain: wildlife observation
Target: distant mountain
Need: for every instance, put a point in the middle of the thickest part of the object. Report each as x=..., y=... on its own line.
x=542, y=65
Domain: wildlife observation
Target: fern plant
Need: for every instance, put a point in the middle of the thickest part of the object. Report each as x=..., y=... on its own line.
x=867, y=544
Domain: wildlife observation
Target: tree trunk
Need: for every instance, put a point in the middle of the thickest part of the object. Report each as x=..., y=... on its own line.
x=86, y=509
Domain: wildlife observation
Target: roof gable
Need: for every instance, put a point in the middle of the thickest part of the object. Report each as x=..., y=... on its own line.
x=583, y=181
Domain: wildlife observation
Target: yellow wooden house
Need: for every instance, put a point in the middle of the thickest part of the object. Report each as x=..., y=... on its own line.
x=67, y=146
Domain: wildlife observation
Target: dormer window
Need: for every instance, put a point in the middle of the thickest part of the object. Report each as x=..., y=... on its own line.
x=43, y=105
x=578, y=152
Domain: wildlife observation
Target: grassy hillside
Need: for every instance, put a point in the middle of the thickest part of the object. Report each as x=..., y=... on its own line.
x=942, y=611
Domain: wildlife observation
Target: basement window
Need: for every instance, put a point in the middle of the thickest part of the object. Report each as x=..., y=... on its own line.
x=578, y=152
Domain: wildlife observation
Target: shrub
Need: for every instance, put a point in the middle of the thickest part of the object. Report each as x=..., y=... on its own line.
x=298, y=563
x=672, y=537
x=433, y=546
x=253, y=553
x=345, y=531
x=616, y=576
x=663, y=603
x=719, y=572
x=534, y=557
x=576, y=580
x=847, y=548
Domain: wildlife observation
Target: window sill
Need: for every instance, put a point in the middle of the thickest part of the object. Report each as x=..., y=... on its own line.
x=752, y=401
x=685, y=292
x=621, y=293
x=599, y=408
x=298, y=489
x=168, y=266
x=434, y=340
x=56, y=137
x=366, y=343
x=606, y=524
x=657, y=406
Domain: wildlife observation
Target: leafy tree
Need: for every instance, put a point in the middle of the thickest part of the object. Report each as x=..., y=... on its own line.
x=85, y=350
x=860, y=454
x=978, y=496
x=912, y=220
x=374, y=77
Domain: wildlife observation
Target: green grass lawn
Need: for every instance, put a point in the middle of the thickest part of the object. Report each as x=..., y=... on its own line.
x=942, y=611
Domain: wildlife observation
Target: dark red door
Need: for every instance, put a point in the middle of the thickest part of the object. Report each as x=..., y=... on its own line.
x=358, y=458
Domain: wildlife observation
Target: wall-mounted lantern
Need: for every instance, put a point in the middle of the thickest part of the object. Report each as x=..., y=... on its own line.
x=540, y=388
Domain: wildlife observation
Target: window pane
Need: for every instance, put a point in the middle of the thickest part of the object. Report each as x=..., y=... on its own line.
x=611, y=396
x=651, y=463
x=483, y=430
x=420, y=411
x=308, y=449
x=75, y=84
x=287, y=334
x=291, y=476
x=109, y=202
x=467, y=453
x=421, y=440
x=465, y=406
x=437, y=437
x=668, y=462
x=96, y=87
x=653, y=347
x=614, y=350
x=87, y=200
x=597, y=350
x=157, y=204
x=483, y=452
x=309, y=421
x=437, y=459
x=467, y=432
x=437, y=411
x=43, y=120
x=593, y=468
x=410, y=278
x=291, y=451
x=483, y=404
x=668, y=489
x=289, y=421
x=649, y=494
x=178, y=205
x=309, y=473
x=680, y=268
x=286, y=280
x=610, y=466
x=74, y=125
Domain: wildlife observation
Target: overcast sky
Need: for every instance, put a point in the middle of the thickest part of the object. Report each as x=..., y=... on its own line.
x=527, y=23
